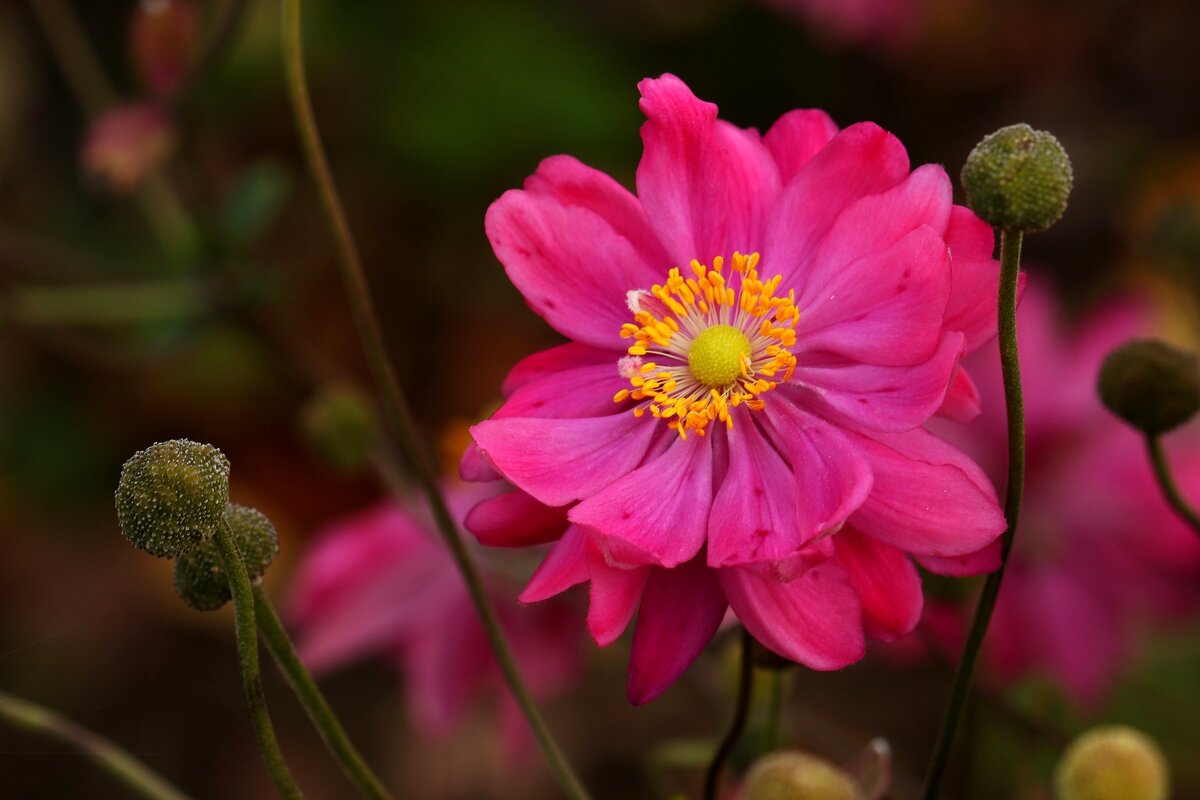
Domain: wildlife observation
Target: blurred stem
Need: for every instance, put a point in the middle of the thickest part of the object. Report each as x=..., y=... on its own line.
x=395, y=406
x=326, y=722
x=161, y=205
x=136, y=776
x=246, y=629
x=1162, y=471
x=712, y=775
x=218, y=42
x=1010, y=267
x=775, y=692
x=105, y=304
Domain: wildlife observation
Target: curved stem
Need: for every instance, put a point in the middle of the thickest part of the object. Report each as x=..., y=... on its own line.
x=247, y=644
x=326, y=722
x=1010, y=264
x=395, y=406
x=1162, y=471
x=137, y=777
x=712, y=775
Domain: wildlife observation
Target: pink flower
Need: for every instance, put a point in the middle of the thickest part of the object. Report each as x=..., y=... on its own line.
x=720, y=438
x=888, y=23
x=381, y=581
x=1097, y=550
x=127, y=143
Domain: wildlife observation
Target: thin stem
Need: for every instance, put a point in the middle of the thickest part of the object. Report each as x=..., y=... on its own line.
x=775, y=681
x=219, y=40
x=136, y=776
x=1162, y=471
x=247, y=644
x=1010, y=264
x=396, y=410
x=326, y=722
x=741, y=711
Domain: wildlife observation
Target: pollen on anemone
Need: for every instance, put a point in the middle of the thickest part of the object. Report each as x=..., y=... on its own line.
x=719, y=439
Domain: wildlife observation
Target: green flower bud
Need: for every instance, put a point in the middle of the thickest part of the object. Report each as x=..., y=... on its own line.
x=1151, y=385
x=796, y=775
x=199, y=574
x=1018, y=179
x=340, y=425
x=171, y=496
x=1112, y=762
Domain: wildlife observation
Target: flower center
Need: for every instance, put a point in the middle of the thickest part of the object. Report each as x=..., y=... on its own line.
x=716, y=344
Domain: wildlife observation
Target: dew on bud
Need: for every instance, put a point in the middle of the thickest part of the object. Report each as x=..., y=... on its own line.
x=1112, y=762
x=200, y=577
x=796, y=775
x=1152, y=385
x=1018, y=179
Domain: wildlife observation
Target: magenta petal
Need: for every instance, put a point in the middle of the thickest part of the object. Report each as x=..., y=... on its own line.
x=887, y=583
x=815, y=620
x=475, y=467
x=657, y=514
x=796, y=137
x=559, y=461
x=972, y=308
x=681, y=610
x=706, y=184
x=514, y=519
x=556, y=359
x=566, y=565
x=569, y=393
x=614, y=597
x=962, y=403
x=977, y=563
x=929, y=498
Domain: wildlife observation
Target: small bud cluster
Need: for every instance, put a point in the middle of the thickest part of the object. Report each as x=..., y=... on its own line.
x=200, y=578
x=1151, y=385
x=1112, y=762
x=796, y=775
x=1018, y=179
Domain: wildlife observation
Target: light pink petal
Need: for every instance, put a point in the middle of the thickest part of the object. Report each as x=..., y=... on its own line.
x=860, y=160
x=885, y=307
x=444, y=667
x=706, y=184
x=815, y=620
x=562, y=460
x=887, y=583
x=657, y=514
x=681, y=610
x=962, y=403
x=796, y=137
x=566, y=565
x=929, y=498
x=614, y=597
x=977, y=563
x=514, y=519
x=555, y=359
x=575, y=392
x=475, y=468
x=972, y=309
x=865, y=396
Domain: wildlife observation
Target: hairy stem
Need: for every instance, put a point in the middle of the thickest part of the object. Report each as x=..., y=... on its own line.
x=712, y=775
x=1170, y=490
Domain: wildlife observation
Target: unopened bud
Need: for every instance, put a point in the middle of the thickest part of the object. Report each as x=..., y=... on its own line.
x=126, y=144
x=1018, y=179
x=340, y=425
x=1151, y=385
x=162, y=43
x=796, y=775
x=1112, y=762
x=171, y=496
x=200, y=577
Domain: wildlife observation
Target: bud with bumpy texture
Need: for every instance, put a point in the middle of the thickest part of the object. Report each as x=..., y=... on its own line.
x=1113, y=762
x=340, y=425
x=200, y=575
x=171, y=496
x=1018, y=179
x=1151, y=385
x=796, y=775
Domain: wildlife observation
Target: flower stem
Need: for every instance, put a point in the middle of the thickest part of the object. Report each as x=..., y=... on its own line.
x=741, y=711
x=247, y=644
x=1162, y=471
x=137, y=777
x=775, y=692
x=326, y=722
x=1010, y=264
x=395, y=406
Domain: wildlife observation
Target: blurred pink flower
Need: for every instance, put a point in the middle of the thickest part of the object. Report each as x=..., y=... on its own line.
x=381, y=581
x=782, y=469
x=1098, y=551
x=886, y=23
x=126, y=143
x=162, y=43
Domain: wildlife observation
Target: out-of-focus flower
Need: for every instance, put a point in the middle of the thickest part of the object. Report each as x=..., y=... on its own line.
x=162, y=43
x=891, y=24
x=1112, y=762
x=725, y=439
x=127, y=143
x=382, y=581
x=1098, y=549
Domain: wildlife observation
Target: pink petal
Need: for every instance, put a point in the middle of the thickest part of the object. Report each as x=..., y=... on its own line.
x=887, y=583
x=972, y=308
x=514, y=519
x=548, y=362
x=614, y=597
x=929, y=498
x=706, y=184
x=566, y=565
x=445, y=666
x=815, y=620
x=884, y=308
x=475, y=467
x=657, y=514
x=569, y=393
x=562, y=460
x=796, y=137
x=962, y=403
x=681, y=610
x=977, y=563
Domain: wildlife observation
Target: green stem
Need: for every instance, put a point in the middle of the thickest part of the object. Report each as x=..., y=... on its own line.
x=741, y=711
x=395, y=406
x=309, y=695
x=247, y=644
x=137, y=777
x=1162, y=471
x=106, y=304
x=774, y=722
x=1010, y=265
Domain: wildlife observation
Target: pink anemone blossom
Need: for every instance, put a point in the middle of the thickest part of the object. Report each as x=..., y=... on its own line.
x=756, y=341
x=381, y=581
